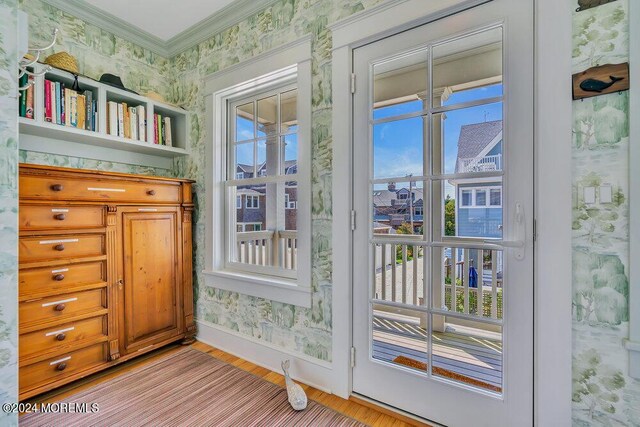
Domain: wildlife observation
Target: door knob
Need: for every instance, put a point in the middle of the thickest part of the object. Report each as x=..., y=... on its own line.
x=56, y=187
x=151, y=192
x=58, y=277
x=59, y=307
x=59, y=247
x=60, y=337
x=60, y=217
x=61, y=366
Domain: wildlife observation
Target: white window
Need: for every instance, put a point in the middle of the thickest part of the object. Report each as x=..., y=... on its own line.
x=238, y=202
x=289, y=204
x=465, y=195
x=252, y=202
x=418, y=210
x=495, y=197
x=403, y=196
x=260, y=117
x=240, y=175
x=481, y=197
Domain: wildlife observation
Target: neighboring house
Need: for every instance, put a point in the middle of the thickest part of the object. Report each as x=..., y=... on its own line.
x=393, y=207
x=479, y=200
x=250, y=200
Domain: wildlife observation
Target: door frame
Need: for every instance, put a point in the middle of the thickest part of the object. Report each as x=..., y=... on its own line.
x=552, y=192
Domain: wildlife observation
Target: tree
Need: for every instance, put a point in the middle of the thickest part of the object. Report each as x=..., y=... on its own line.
x=449, y=216
x=594, y=385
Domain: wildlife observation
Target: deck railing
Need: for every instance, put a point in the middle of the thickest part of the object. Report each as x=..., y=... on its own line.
x=484, y=164
x=399, y=277
x=268, y=248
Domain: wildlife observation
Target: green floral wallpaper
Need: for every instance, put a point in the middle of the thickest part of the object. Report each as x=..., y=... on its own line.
x=8, y=209
x=306, y=331
x=97, y=52
x=603, y=394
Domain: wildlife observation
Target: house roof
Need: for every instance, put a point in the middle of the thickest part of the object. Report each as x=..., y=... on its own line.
x=475, y=138
x=383, y=198
x=249, y=168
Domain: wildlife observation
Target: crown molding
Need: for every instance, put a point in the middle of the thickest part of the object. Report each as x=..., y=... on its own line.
x=98, y=17
x=226, y=17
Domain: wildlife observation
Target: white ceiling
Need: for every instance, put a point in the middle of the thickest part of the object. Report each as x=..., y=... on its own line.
x=162, y=18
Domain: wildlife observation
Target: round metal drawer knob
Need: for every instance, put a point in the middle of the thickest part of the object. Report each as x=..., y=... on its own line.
x=60, y=217
x=151, y=192
x=56, y=187
x=60, y=307
x=59, y=247
x=60, y=337
x=61, y=366
x=58, y=277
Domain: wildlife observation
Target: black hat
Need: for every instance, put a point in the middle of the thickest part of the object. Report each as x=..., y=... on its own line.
x=114, y=81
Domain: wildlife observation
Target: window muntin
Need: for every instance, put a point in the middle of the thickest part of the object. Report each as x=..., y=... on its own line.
x=481, y=198
x=495, y=198
x=269, y=245
x=465, y=196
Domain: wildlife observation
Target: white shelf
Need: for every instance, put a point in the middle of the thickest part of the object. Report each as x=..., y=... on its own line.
x=41, y=136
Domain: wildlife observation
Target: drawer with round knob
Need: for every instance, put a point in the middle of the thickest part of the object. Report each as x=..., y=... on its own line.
x=53, y=280
x=56, y=339
x=46, y=248
x=61, y=366
x=97, y=190
x=52, y=217
x=60, y=307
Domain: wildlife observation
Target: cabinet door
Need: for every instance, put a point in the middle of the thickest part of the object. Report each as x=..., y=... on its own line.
x=152, y=287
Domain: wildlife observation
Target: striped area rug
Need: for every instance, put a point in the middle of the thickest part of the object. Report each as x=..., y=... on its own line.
x=189, y=388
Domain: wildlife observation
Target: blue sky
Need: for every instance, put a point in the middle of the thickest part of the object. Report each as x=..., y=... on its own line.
x=398, y=145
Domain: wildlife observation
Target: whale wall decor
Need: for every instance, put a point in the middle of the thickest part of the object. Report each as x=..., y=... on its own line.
x=588, y=4
x=601, y=80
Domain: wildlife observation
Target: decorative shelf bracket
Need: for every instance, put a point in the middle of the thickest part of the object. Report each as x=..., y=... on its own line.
x=24, y=63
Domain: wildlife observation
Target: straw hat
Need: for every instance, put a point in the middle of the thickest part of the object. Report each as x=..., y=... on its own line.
x=63, y=61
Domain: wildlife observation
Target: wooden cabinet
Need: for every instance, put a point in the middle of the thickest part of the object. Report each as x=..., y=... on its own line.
x=105, y=271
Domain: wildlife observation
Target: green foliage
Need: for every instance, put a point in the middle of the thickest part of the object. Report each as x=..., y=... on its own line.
x=449, y=216
x=595, y=385
x=600, y=289
x=473, y=300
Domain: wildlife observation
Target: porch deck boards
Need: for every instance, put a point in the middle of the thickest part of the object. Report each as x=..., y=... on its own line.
x=477, y=357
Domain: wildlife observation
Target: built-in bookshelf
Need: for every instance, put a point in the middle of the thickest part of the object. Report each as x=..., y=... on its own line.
x=160, y=134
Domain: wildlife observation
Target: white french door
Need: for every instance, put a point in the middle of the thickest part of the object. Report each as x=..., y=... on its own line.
x=443, y=194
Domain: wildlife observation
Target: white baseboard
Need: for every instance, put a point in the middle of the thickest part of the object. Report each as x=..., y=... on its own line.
x=305, y=369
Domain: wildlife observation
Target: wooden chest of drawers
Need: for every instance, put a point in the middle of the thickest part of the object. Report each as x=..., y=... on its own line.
x=105, y=271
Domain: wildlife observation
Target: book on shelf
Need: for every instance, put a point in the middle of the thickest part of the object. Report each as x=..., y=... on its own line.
x=126, y=120
x=63, y=105
x=25, y=102
x=142, y=122
x=22, y=82
x=29, y=99
x=67, y=107
x=168, y=140
x=88, y=96
x=133, y=123
x=73, y=108
x=121, y=120
x=112, y=118
x=155, y=128
x=57, y=103
x=81, y=111
x=47, y=101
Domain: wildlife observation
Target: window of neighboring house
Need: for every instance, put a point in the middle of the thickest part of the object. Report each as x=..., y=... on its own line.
x=238, y=202
x=481, y=197
x=252, y=202
x=240, y=175
x=418, y=210
x=260, y=118
x=403, y=196
x=288, y=204
x=495, y=197
x=466, y=197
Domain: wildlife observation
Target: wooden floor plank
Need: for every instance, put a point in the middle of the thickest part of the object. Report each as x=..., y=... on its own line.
x=366, y=413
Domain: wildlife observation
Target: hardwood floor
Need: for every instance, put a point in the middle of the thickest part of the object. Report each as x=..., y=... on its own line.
x=356, y=408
